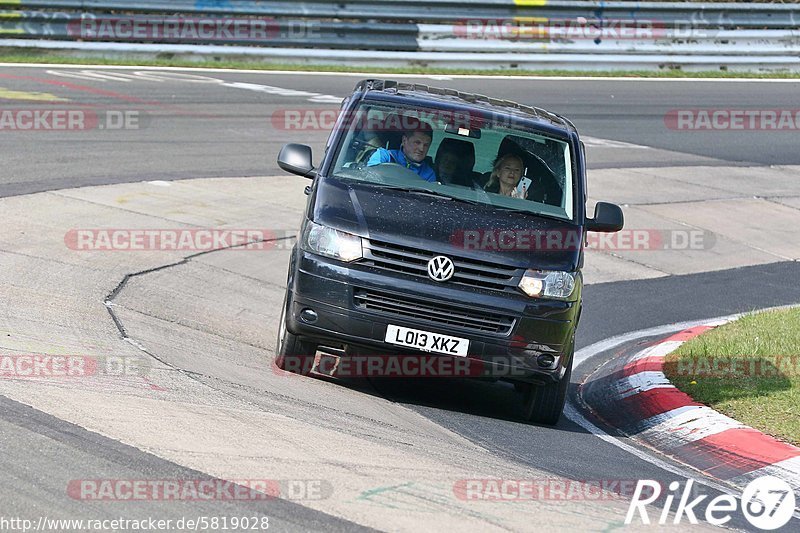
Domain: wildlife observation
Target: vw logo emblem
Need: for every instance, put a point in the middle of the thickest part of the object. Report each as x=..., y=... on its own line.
x=441, y=268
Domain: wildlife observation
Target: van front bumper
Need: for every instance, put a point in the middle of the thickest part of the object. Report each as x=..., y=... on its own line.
x=326, y=290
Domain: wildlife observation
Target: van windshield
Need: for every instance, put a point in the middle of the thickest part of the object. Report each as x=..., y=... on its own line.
x=489, y=159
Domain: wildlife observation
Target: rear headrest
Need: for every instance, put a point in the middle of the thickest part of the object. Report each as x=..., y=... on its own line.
x=509, y=146
x=464, y=149
x=390, y=131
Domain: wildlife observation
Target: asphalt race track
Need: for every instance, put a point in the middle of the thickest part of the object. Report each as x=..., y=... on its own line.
x=212, y=124
x=198, y=129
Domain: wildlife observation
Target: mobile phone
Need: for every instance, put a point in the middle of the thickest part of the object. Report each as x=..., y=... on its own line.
x=524, y=182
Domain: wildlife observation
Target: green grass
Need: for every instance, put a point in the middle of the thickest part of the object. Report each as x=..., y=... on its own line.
x=46, y=57
x=762, y=387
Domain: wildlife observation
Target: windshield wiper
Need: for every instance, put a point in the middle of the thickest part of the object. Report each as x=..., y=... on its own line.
x=416, y=190
x=437, y=194
x=403, y=188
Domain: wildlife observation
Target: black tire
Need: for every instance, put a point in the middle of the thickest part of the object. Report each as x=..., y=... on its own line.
x=291, y=353
x=543, y=404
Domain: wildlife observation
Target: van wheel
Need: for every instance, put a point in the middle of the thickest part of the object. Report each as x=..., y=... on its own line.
x=291, y=353
x=543, y=404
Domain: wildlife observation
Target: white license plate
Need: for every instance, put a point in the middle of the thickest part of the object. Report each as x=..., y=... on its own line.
x=427, y=341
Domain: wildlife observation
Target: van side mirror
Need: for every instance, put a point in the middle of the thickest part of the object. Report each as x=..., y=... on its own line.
x=296, y=159
x=608, y=218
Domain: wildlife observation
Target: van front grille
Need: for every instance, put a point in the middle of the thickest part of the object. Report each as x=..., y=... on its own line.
x=432, y=312
x=414, y=262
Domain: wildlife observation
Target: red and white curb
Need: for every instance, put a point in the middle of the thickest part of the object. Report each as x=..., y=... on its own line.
x=632, y=394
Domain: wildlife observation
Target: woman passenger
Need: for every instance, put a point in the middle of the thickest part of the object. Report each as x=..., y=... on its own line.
x=506, y=175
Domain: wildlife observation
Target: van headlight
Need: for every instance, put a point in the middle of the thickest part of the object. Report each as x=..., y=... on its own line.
x=332, y=243
x=548, y=284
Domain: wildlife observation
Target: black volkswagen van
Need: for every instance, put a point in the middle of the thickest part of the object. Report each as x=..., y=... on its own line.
x=445, y=227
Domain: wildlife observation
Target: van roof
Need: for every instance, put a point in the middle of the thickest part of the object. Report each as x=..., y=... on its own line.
x=426, y=92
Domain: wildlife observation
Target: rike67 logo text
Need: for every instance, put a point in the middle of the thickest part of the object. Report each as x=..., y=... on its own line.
x=768, y=503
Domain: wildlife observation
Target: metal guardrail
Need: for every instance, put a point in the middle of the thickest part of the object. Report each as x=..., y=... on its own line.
x=690, y=41
x=666, y=33
x=725, y=15
x=199, y=31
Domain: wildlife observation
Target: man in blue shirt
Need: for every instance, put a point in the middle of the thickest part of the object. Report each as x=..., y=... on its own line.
x=413, y=151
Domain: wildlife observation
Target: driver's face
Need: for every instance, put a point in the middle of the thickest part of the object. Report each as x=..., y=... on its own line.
x=416, y=147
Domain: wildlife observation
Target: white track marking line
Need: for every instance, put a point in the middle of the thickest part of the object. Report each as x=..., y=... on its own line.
x=93, y=76
x=592, y=142
x=571, y=412
x=575, y=416
x=662, y=349
x=608, y=344
x=100, y=76
x=584, y=354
